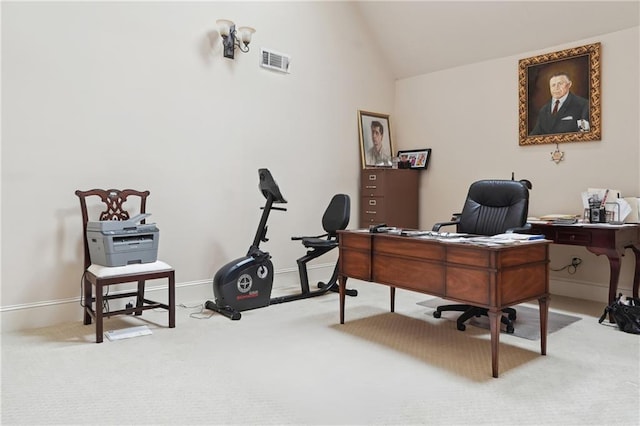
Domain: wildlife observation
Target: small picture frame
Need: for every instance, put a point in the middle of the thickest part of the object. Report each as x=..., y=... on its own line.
x=376, y=147
x=418, y=158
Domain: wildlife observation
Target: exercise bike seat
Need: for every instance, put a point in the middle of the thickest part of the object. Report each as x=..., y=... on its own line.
x=318, y=242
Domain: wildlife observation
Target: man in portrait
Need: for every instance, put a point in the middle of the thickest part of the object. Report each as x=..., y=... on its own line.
x=378, y=154
x=566, y=112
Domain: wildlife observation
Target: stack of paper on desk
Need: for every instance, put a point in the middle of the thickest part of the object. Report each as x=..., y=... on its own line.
x=517, y=237
x=557, y=216
x=500, y=239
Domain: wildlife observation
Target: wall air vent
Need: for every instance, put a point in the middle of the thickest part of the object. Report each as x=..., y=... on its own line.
x=275, y=60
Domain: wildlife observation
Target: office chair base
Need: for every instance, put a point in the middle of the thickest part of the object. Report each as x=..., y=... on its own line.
x=472, y=311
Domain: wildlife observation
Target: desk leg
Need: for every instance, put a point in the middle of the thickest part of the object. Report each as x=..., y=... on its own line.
x=393, y=299
x=614, y=272
x=343, y=290
x=543, y=303
x=494, y=325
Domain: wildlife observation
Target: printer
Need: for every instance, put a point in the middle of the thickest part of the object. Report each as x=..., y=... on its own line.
x=122, y=242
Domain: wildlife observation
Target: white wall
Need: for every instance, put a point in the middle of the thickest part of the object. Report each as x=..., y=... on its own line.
x=137, y=94
x=469, y=116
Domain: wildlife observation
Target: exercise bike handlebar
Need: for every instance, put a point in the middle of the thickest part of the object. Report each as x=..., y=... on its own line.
x=269, y=187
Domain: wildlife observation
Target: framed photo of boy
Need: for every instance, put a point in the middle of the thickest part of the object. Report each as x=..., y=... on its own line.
x=375, y=139
x=559, y=96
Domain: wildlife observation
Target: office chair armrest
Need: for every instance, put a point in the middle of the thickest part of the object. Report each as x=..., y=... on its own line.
x=524, y=228
x=437, y=226
x=309, y=236
x=455, y=219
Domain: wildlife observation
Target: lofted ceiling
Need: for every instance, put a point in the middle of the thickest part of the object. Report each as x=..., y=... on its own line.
x=419, y=37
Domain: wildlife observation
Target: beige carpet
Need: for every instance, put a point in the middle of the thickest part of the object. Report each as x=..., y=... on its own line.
x=526, y=325
x=295, y=364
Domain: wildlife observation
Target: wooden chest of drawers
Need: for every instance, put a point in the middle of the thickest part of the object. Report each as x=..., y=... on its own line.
x=389, y=196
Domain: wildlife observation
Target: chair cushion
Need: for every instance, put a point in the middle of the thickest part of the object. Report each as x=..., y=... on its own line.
x=136, y=268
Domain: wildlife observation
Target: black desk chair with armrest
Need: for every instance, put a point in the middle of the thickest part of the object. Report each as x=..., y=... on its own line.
x=492, y=207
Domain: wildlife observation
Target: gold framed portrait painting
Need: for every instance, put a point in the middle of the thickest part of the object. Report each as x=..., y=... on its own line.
x=559, y=96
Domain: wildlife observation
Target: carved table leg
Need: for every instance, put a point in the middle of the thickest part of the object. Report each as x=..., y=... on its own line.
x=614, y=271
x=543, y=302
x=393, y=299
x=343, y=287
x=494, y=325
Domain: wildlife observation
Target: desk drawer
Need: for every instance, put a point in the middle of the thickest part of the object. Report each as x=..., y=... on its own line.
x=575, y=237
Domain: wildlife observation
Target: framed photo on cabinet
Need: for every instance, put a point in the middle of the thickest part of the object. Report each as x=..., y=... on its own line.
x=418, y=158
x=376, y=144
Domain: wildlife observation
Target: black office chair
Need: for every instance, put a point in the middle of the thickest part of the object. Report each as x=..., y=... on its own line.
x=492, y=207
x=335, y=218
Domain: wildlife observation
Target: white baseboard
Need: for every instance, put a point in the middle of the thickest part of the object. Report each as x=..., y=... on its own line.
x=596, y=292
x=46, y=313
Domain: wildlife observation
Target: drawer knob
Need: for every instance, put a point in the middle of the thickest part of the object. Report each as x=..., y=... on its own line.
x=372, y=202
x=373, y=177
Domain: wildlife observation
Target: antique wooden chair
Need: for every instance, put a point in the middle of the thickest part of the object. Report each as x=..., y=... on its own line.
x=100, y=277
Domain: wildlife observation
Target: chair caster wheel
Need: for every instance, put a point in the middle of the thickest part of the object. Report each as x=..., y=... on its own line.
x=462, y=327
x=437, y=314
x=510, y=329
x=512, y=317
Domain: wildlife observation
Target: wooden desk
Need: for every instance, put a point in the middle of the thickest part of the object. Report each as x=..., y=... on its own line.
x=489, y=277
x=610, y=240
